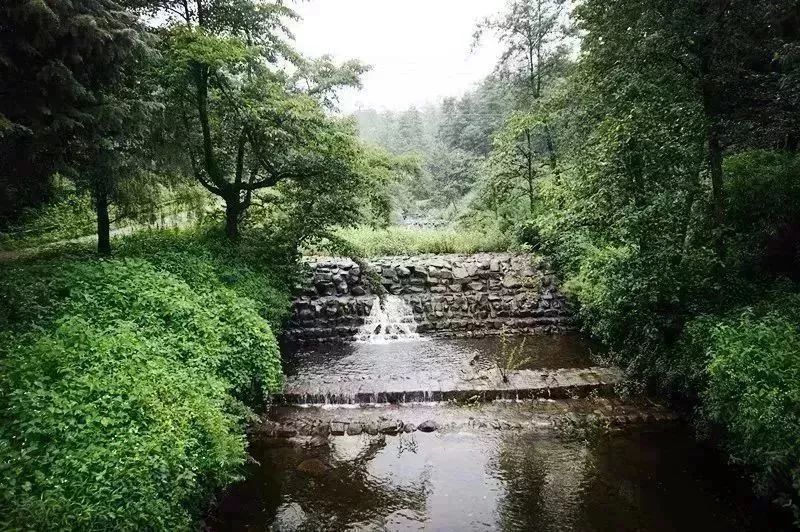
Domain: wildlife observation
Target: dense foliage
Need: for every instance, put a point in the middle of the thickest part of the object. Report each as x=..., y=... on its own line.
x=141, y=378
x=669, y=212
x=659, y=168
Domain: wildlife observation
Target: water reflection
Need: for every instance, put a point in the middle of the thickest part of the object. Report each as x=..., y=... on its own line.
x=435, y=358
x=498, y=480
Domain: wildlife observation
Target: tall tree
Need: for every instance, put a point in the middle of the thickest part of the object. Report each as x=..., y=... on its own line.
x=723, y=50
x=244, y=125
x=58, y=61
x=469, y=123
x=535, y=39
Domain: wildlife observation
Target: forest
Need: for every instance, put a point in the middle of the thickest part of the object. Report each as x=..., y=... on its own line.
x=649, y=148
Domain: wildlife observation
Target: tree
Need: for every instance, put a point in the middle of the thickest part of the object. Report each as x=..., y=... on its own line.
x=724, y=50
x=469, y=123
x=520, y=151
x=453, y=174
x=59, y=60
x=534, y=34
x=243, y=124
x=322, y=78
x=390, y=181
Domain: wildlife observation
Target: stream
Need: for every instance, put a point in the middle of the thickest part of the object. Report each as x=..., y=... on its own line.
x=486, y=464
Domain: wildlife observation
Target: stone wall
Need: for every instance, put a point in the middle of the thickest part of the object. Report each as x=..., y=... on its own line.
x=452, y=295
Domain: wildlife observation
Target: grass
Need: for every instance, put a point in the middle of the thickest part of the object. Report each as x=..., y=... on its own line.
x=369, y=242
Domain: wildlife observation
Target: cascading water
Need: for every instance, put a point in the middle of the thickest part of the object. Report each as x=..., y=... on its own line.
x=391, y=319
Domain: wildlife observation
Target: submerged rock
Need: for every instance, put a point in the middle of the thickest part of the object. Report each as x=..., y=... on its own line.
x=313, y=466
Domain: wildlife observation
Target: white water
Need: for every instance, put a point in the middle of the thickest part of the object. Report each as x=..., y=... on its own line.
x=390, y=320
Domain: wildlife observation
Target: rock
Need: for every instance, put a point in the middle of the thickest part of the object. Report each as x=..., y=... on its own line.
x=409, y=427
x=371, y=428
x=337, y=428
x=318, y=441
x=289, y=517
x=427, y=426
x=358, y=291
x=460, y=273
x=511, y=282
x=287, y=432
x=476, y=285
x=314, y=467
x=354, y=429
x=494, y=265
x=390, y=427
x=402, y=271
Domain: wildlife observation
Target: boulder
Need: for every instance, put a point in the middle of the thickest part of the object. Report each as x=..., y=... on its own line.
x=390, y=427
x=427, y=426
x=358, y=290
x=460, y=273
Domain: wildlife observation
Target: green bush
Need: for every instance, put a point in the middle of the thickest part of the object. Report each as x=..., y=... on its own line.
x=742, y=371
x=205, y=260
x=753, y=392
x=120, y=389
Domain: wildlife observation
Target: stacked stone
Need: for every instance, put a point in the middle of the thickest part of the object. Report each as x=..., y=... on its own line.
x=454, y=295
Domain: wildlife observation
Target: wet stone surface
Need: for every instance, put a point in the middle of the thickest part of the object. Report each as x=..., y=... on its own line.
x=450, y=295
x=606, y=414
x=441, y=369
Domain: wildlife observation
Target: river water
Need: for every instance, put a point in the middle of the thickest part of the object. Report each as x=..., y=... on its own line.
x=507, y=480
x=474, y=477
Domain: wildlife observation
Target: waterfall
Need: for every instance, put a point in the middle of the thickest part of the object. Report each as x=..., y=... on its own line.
x=391, y=319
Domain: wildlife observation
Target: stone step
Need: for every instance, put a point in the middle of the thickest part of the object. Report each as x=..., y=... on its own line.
x=481, y=386
x=564, y=415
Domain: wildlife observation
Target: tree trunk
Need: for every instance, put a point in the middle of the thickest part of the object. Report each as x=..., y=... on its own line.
x=530, y=171
x=711, y=111
x=717, y=194
x=232, y=219
x=103, y=223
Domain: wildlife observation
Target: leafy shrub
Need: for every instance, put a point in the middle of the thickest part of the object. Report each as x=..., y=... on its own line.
x=119, y=394
x=742, y=370
x=205, y=260
x=763, y=202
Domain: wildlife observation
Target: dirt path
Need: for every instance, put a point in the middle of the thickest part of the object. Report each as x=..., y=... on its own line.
x=178, y=220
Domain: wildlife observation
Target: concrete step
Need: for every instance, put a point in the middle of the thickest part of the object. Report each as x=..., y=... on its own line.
x=487, y=385
x=564, y=415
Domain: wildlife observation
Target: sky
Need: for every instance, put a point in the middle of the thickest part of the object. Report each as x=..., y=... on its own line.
x=419, y=50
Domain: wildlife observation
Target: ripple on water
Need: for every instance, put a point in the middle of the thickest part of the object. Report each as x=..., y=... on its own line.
x=500, y=480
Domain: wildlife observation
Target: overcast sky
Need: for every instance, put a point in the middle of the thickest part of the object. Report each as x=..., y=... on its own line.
x=419, y=49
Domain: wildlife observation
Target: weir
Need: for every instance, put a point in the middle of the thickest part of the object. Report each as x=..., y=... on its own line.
x=447, y=295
